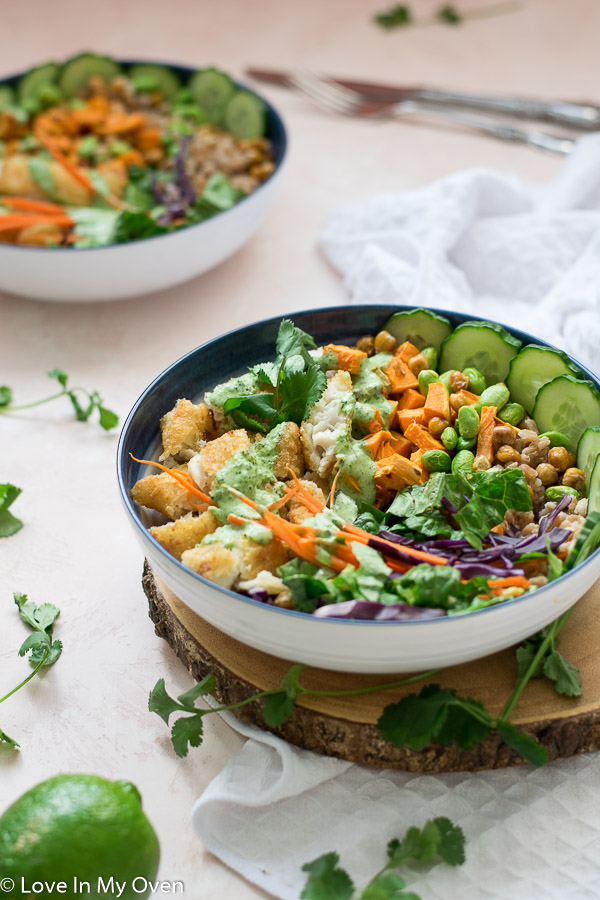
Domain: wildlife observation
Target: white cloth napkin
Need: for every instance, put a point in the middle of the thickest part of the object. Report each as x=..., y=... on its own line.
x=484, y=242
x=487, y=243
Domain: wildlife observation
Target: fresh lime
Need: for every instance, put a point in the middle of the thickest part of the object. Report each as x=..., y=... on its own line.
x=74, y=829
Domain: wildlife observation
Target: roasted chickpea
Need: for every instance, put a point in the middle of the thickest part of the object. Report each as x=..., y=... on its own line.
x=559, y=458
x=571, y=460
x=458, y=381
x=417, y=364
x=459, y=399
x=437, y=425
x=507, y=454
x=574, y=478
x=366, y=344
x=385, y=342
x=547, y=474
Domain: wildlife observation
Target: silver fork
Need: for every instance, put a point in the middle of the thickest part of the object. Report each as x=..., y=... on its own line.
x=334, y=98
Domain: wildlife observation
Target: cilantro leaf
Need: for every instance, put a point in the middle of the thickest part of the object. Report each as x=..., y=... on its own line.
x=205, y=686
x=5, y=395
x=187, y=732
x=387, y=886
x=325, y=880
x=5, y=739
x=299, y=391
x=108, y=418
x=449, y=15
x=59, y=376
x=452, y=842
x=415, y=719
x=37, y=640
x=292, y=341
x=9, y=524
x=161, y=703
x=526, y=746
x=565, y=675
x=398, y=16
x=40, y=618
x=277, y=708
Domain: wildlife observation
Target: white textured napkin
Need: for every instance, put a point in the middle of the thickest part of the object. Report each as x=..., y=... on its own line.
x=487, y=243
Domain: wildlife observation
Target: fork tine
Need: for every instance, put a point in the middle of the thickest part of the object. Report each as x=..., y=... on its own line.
x=312, y=88
x=334, y=91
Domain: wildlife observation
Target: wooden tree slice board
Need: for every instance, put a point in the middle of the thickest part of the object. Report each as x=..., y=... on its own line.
x=345, y=727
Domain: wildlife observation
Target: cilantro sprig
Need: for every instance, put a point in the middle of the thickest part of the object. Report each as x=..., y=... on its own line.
x=278, y=703
x=43, y=650
x=438, y=838
x=9, y=524
x=84, y=402
x=294, y=382
x=401, y=15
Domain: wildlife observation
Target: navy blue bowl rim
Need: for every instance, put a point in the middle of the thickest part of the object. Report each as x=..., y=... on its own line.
x=455, y=317
x=274, y=124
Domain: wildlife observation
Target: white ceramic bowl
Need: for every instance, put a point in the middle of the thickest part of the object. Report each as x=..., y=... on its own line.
x=344, y=645
x=150, y=264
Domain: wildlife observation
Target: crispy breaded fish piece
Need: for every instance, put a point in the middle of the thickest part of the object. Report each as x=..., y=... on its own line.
x=289, y=453
x=184, y=428
x=296, y=511
x=330, y=418
x=213, y=456
x=176, y=537
x=228, y=565
x=163, y=493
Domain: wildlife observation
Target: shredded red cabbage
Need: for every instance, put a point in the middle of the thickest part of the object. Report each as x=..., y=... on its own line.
x=368, y=609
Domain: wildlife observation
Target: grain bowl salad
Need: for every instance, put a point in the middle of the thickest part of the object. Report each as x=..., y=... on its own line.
x=92, y=153
x=423, y=471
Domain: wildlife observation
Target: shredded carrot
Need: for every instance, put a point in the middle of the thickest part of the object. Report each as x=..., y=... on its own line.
x=332, y=491
x=60, y=158
x=353, y=483
x=24, y=203
x=23, y=220
x=236, y=520
x=180, y=478
x=512, y=581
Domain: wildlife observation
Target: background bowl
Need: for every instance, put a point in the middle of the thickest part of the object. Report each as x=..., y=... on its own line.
x=150, y=264
x=349, y=646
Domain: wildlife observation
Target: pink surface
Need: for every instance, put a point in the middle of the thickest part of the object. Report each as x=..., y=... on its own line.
x=89, y=712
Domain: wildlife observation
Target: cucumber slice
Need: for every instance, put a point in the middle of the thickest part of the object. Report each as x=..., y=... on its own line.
x=146, y=77
x=30, y=84
x=78, y=71
x=593, y=488
x=568, y=405
x=421, y=327
x=533, y=367
x=212, y=91
x=245, y=115
x=588, y=450
x=587, y=541
x=7, y=96
x=483, y=345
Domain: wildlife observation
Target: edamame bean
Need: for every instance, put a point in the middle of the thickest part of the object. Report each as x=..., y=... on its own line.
x=449, y=438
x=496, y=395
x=512, y=413
x=465, y=443
x=425, y=378
x=445, y=379
x=557, y=438
x=431, y=355
x=462, y=464
x=477, y=383
x=468, y=422
x=559, y=491
x=436, y=461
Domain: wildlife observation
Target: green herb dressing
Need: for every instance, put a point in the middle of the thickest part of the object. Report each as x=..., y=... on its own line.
x=368, y=388
x=356, y=461
x=244, y=386
x=248, y=472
